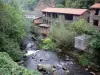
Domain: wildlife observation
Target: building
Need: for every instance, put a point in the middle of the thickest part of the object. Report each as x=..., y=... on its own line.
x=95, y=14
x=37, y=20
x=44, y=29
x=29, y=15
x=42, y=4
x=64, y=14
x=48, y=14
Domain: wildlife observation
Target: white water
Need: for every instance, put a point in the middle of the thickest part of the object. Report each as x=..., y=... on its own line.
x=31, y=52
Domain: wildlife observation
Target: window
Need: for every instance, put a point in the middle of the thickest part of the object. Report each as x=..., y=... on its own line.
x=97, y=12
x=49, y=14
x=88, y=19
x=44, y=13
x=68, y=17
x=44, y=35
x=55, y=15
x=95, y=22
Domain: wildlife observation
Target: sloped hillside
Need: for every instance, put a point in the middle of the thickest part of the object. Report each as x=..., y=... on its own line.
x=9, y=67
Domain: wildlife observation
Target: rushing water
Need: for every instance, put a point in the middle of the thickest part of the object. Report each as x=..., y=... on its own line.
x=35, y=57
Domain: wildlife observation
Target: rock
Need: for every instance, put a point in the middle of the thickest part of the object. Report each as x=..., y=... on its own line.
x=20, y=62
x=92, y=73
x=31, y=52
x=86, y=69
x=67, y=58
x=66, y=71
x=41, y=60
x=58, y=50
x=47, y=68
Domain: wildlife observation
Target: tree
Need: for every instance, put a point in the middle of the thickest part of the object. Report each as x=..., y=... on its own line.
x=95, y=44
x=63, y=37
x=79, y=3
x=29, y=4
x=11, y=30
x=60, y=3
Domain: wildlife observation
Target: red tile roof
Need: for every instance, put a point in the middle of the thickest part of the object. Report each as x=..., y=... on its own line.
x=97, y=5
x=65, y=10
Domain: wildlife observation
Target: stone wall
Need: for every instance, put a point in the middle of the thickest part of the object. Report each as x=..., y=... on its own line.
x=84, y=16
x=44, y=30
x=94, y=17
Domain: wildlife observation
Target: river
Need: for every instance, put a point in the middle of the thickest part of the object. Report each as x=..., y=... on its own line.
x=49, y=57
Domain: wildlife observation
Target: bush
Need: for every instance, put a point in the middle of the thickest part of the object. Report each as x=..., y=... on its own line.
x=81, y=27
x=47, y=41
x=63, y=37
x=47, y=44
x=95, y=45
x=11, y=47
x=11, y=29
x=9, y=67
x=84, y=59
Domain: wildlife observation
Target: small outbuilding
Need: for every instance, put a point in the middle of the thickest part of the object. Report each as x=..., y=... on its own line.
x=82, y=42
x=44, y=29
x=37, y=20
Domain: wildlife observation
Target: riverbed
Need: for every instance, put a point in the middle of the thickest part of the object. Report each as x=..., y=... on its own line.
x=50, y=57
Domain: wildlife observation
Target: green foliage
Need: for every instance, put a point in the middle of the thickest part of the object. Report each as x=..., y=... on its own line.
x=95, y=45
x=83, y=61
x=11, y=21
x=47, y=44
x=34, y=31
x=9, y=67
x=11, y=30
x=47, y=40
x=31, y=28
x=60, y=3
x=79, y=3
x=22, y=4
x=63, y=37
x=12, y=48
x=81, y=27
x=28, y=4
x=84, y=58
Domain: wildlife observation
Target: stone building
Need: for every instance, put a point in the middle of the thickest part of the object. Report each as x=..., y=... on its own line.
x=44, y=29
x=95, y=14
x=48, y=13
x=42, y=4
x=64, y=15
